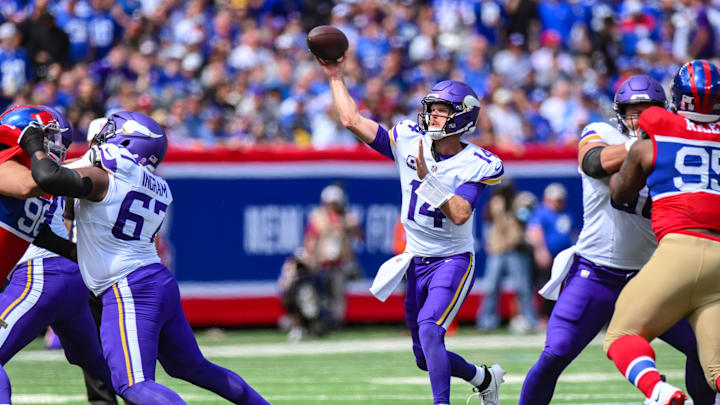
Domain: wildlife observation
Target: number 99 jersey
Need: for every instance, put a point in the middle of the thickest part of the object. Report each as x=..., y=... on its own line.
x=685, y=181
x=429, y=232
x=116, y=235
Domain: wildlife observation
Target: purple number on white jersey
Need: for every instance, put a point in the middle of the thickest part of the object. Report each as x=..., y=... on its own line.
x=126, y=215
x=436, y=214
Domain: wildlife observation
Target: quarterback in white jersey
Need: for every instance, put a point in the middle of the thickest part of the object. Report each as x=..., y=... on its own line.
x=429, y=233
x=442, y=179
x=615, y=242
x=121, y=205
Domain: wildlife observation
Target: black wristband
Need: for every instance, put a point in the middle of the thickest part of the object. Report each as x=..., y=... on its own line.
x=58, y=180
x=32, y=140
x=47, y=239
x=592, y=165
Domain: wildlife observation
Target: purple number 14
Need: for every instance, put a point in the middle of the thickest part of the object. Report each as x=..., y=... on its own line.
x=425, y=209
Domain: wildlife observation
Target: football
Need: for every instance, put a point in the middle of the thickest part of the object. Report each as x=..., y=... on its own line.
x=327, y=42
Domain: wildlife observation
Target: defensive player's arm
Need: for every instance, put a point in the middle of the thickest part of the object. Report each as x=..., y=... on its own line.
x=16, y=181
x=625, y=184
x=364, y=129
x=90, y=183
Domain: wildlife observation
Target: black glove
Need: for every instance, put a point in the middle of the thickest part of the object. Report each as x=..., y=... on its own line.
x=32, y=138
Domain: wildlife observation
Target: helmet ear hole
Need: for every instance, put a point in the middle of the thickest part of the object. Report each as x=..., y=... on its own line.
x=125, y=143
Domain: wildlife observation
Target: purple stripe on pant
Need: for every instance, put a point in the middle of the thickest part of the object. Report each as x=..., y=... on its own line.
x=143, y=322
x=584, y=307
x=436, y=289
x=50, y=292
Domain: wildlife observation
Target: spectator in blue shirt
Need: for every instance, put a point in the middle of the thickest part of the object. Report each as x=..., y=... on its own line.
x=557, y=15
x=549, y=229
x=104, y=30
x=15, y=71
x=72, y=17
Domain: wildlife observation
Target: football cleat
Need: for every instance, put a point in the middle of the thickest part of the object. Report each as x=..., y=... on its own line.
x=491, y=394
x=666, y=394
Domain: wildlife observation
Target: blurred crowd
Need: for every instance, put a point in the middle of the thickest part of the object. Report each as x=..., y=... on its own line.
x=237, y=72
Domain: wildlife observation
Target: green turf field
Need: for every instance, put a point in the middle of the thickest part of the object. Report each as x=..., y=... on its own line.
x=355, y=366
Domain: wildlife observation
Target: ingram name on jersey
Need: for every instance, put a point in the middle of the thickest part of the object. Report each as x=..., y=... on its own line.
x=429, y=232
x=116, y=235
x=613, y=235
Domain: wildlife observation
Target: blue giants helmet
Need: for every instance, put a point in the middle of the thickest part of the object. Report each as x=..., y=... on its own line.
x=137, y=133
x=696, y=91
x=463, y=102
x=58, y=131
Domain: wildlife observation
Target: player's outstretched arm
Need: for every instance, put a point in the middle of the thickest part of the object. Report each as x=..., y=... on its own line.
x=364, y=129
x=625, y=184
x=89, y=183
x=16, y=181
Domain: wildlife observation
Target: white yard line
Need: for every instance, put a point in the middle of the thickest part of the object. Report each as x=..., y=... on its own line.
x=319, y=347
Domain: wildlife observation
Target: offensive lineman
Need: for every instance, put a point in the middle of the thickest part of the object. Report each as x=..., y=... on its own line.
x=615, y=242
x=680, y=163
x=121, y=205
x=441, y=179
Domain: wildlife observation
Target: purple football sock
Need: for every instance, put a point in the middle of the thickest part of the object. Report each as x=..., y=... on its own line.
x=149, y=392
x=459, y=367
x=438, y=362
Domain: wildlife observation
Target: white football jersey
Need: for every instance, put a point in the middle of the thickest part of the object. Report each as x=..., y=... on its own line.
x=618, y=236
x=53, y=212
x=429, y=232
x=115, y=236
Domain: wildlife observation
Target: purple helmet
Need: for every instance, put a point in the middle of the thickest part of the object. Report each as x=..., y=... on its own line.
x=58, y=132
x=635, y=90
x=137, y=133
x=465, y=107
x=696, y=91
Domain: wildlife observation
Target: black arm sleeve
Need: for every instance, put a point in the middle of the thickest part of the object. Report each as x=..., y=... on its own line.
x=59, y=180
x=591, y=164
x=47, y=239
